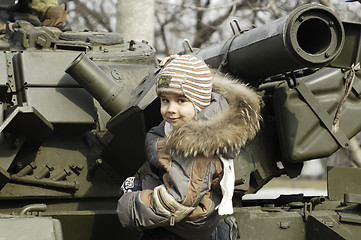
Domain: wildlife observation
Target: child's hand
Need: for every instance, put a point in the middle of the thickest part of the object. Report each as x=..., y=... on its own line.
x=130, y=184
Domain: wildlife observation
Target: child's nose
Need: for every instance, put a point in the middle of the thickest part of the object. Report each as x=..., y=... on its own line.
x=172, y=108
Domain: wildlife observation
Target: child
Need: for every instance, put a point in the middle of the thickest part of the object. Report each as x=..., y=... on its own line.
x=192, y=150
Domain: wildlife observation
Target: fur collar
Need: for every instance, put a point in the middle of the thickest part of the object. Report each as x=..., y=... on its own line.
x=226, y=130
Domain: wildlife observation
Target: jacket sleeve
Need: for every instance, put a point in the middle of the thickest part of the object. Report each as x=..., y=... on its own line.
x=150, y=208
x=136, y=210
x=151, y=140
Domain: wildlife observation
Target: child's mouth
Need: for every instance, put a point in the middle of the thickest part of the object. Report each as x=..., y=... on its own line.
x=173, y=119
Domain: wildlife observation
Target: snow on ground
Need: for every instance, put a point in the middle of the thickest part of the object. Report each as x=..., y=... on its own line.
x=273, y=193
x=309, y=183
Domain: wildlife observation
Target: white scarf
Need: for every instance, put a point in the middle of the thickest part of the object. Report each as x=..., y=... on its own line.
x=167, y=128
x=227, y=187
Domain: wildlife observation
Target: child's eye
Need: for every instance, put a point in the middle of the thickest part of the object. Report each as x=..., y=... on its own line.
x=183, y=100
x=164, y=100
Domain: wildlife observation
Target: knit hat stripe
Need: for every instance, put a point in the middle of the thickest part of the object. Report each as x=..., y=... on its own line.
x=203, y=73
x=199, y=105
x=197, y=90
x=189, y=64
x=198, y=84
x=198, y=95
x=172, y=91
x=199, y=101
x=191, y=61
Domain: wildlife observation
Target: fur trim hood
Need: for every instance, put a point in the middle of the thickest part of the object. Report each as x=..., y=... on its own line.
x=225, y=131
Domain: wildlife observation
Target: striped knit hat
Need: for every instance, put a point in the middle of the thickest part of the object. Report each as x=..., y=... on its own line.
x=186, y=75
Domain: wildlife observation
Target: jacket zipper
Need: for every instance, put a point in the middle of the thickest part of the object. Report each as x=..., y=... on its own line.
x=172, y=220
x=172, y=216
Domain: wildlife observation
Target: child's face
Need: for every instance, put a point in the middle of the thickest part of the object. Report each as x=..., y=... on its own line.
x=176, y=109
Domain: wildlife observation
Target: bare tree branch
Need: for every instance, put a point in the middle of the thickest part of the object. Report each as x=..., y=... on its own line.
x=162, y=33
x=276, y=11
x=205, y=30
x=198, y=8
x=87, y=13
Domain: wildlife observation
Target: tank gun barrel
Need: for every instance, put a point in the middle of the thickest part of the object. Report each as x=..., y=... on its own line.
x=310, y=36
x=109, y=94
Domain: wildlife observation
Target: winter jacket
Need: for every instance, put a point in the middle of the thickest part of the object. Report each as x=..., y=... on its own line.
x=187, y=163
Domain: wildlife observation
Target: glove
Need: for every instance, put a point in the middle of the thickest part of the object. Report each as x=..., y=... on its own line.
x=130, y=184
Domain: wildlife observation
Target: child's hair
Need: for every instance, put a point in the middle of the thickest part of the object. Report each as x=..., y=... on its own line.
x=188, y=76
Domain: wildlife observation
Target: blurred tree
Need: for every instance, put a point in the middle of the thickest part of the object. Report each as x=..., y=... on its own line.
x=92, y=15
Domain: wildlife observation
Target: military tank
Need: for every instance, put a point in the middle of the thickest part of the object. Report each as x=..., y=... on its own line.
x=75, y=108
